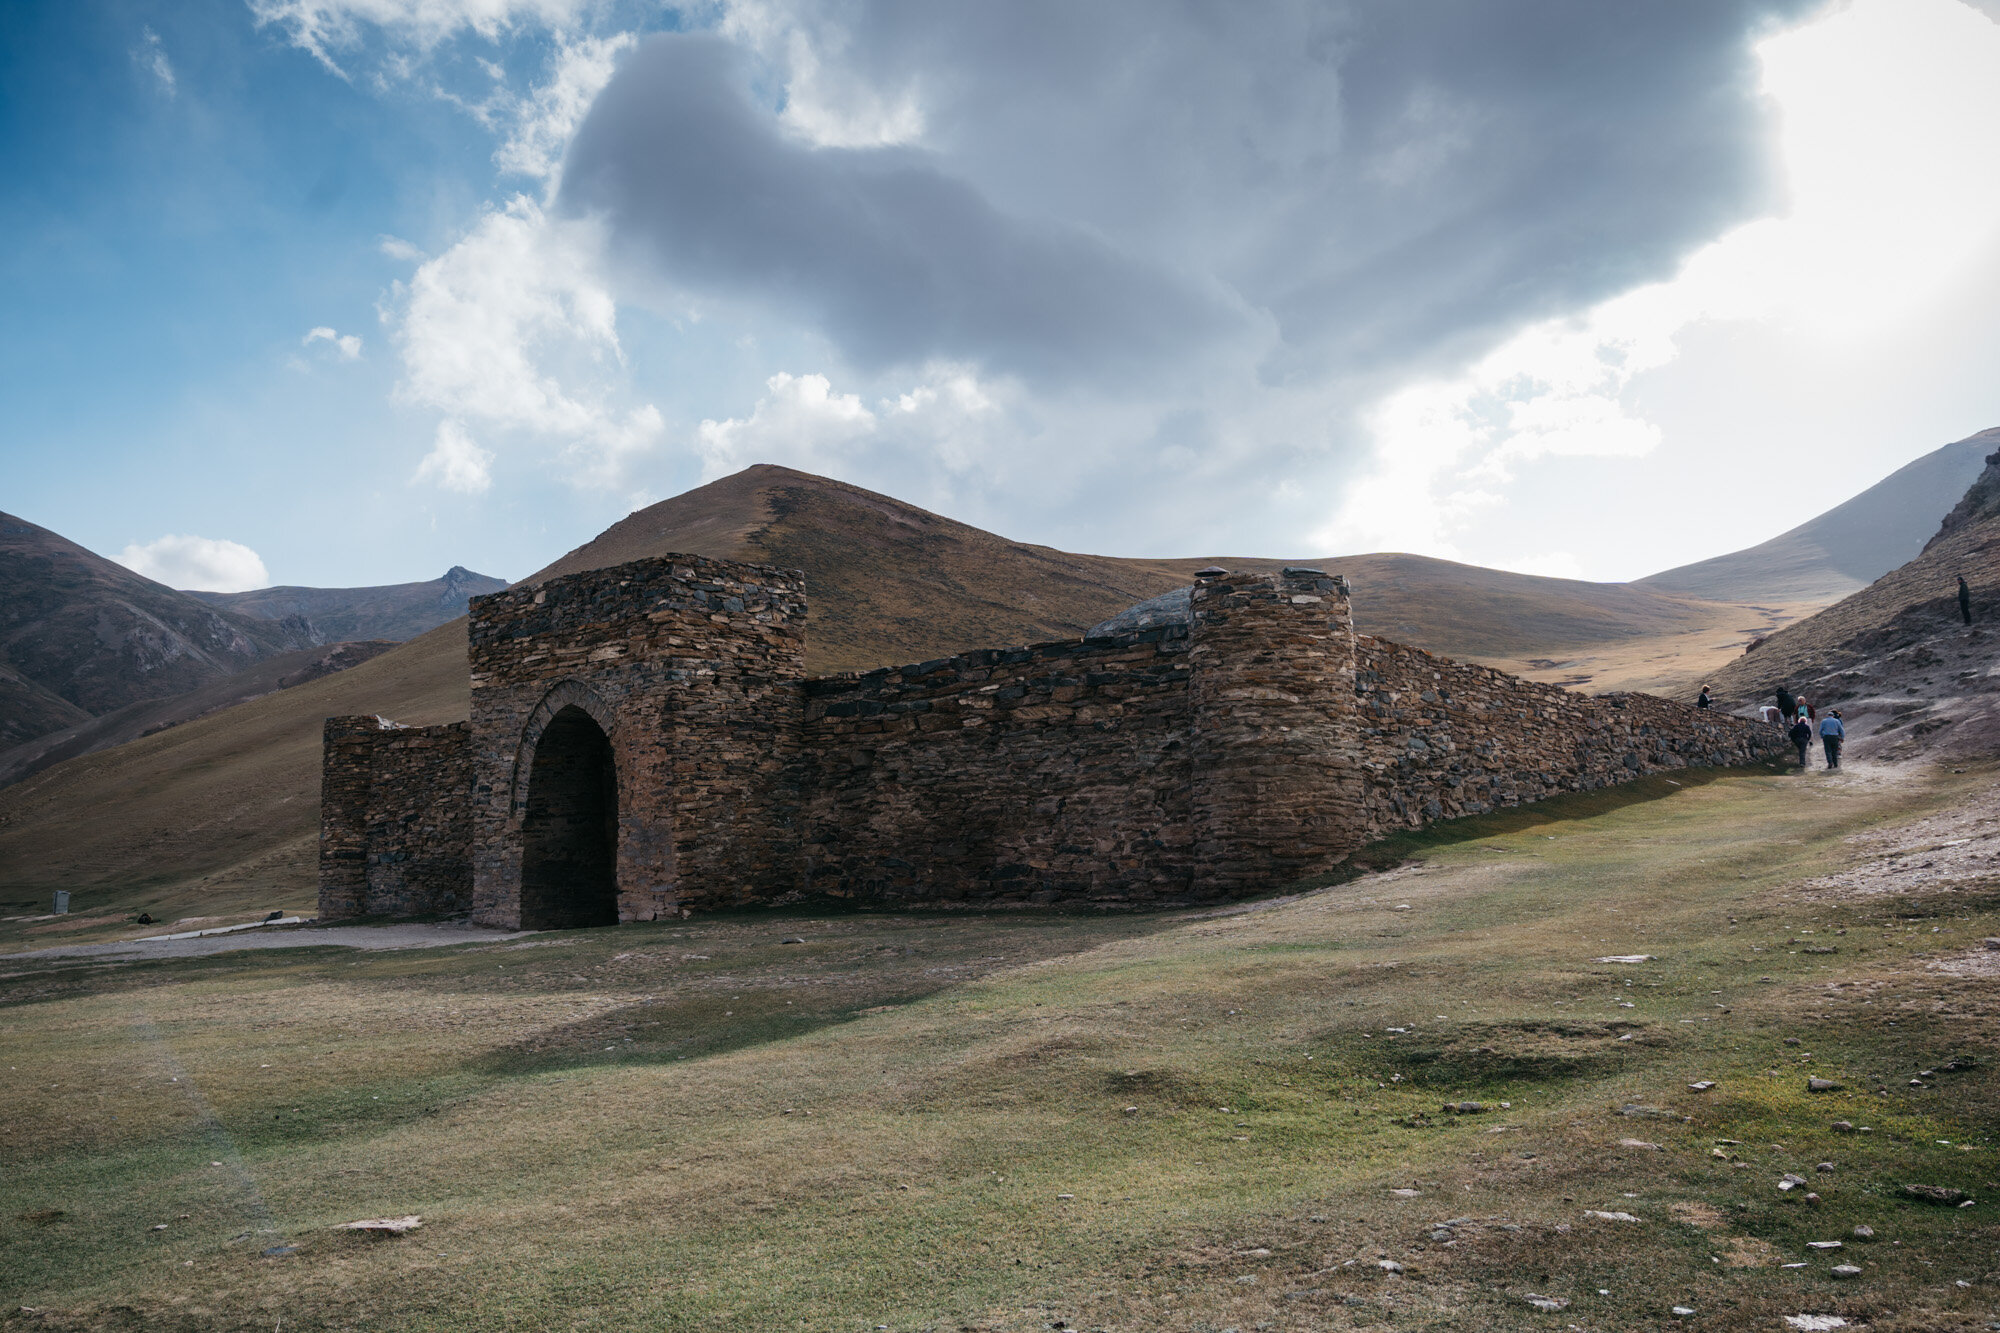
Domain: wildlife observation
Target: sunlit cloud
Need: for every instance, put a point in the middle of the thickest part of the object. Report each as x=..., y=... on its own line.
x=1889, y=128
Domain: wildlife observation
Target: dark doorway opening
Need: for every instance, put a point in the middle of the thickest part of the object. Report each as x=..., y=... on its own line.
x=569, y=841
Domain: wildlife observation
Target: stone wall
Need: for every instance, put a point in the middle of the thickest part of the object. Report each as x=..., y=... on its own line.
x=692, y=669
x=395, y=819
x=1008, y=776
x=650, y=729
x=1440, y=739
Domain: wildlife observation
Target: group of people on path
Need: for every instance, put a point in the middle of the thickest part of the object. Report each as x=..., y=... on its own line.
x=1800, y=720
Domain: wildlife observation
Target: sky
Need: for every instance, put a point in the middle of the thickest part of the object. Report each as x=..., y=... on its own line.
x=344, y=292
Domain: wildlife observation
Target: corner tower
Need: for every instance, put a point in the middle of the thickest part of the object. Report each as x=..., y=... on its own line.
x=1276, y=754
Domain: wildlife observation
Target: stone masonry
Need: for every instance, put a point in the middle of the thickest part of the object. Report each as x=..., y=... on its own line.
x=644, y=743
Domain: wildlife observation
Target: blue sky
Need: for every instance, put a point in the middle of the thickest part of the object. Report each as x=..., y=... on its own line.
x=348, y=291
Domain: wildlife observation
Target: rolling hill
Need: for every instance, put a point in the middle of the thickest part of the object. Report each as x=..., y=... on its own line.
x=1847, y=547
x=395, y=611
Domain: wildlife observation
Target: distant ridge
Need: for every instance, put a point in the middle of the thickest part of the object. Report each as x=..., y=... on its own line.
x=1847, y=547
x=396, y=611
x=81, y=635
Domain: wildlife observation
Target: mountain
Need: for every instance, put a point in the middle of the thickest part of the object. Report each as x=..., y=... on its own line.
x=396, y=611
x=1896, y=657
x=1847, y=547
x=890, y=582
x=81, y=636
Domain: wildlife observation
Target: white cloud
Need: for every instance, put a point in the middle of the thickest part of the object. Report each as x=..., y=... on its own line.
x=324, y=27
x=151, y=56
x=1890, y=124
x=827, y=104
x=801, y=422
x=456, y=462
x=345, y=345
x=513, y=328
x=204, y=564
x=545, y=119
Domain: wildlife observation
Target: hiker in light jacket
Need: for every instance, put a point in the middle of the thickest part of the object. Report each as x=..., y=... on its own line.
x=1801, y=736
x=1831, y=734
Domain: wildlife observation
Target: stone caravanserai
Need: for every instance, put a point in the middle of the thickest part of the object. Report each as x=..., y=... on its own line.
x=645, y=743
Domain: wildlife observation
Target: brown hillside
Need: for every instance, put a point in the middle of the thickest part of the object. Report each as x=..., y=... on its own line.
x=215, y=808
x=1896, y=656
x=231, y=800
x=894, y=583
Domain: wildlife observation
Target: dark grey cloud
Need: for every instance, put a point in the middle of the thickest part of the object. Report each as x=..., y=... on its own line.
x=1389, y=182
x=882, y=248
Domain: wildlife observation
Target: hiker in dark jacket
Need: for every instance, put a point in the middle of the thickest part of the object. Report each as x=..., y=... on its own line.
x=1831, y=734
x=1801, y=736
x=1788, y=707
x=1703, y=701
x=1964, y=600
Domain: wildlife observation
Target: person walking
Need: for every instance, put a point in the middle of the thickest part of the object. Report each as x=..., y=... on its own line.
x=1807, y=711
x=1703, y=701
x=1964, y=599
x=1801, y=736
x=1831, y=734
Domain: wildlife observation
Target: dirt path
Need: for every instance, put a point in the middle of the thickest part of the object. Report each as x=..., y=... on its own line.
x=424, y=936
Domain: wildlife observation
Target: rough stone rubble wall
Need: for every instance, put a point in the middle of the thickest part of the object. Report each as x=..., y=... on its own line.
x=395, y=819
x=1008, y=776
x=1255, y=746
x=693, y=669
x=1441, y=739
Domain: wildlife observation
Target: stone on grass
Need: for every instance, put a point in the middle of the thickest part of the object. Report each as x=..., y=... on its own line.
x=1815, y=1323
x=1703, y=1086
x=1683, y=1310
x=791, y=939
x=1822, y=1085
x=1640, y=1143
x=1825, y=1168
x=1864, y=1233
x=1843, y=1126
x=1466, y=1108
x=1942, y=1194
x=1624, y=958
x=1603, y=1216
x=1846, y=1270
x=1822, y=1244
x=383, y=1226
x=1405, y=1193
x=1388, y=1265
x=1550, y=1303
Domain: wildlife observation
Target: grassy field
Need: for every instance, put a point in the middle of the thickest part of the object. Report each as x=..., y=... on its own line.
x=1197, y=1121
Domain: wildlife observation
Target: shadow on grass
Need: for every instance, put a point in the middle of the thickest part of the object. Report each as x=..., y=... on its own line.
x=1399, y=847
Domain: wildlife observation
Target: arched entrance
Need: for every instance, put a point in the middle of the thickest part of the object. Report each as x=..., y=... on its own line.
x=569, y=838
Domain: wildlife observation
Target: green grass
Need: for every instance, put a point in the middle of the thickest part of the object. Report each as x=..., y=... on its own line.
x=693, y=1125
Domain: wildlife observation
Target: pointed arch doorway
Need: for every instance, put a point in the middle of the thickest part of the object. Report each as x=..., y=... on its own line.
x=569, y=836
